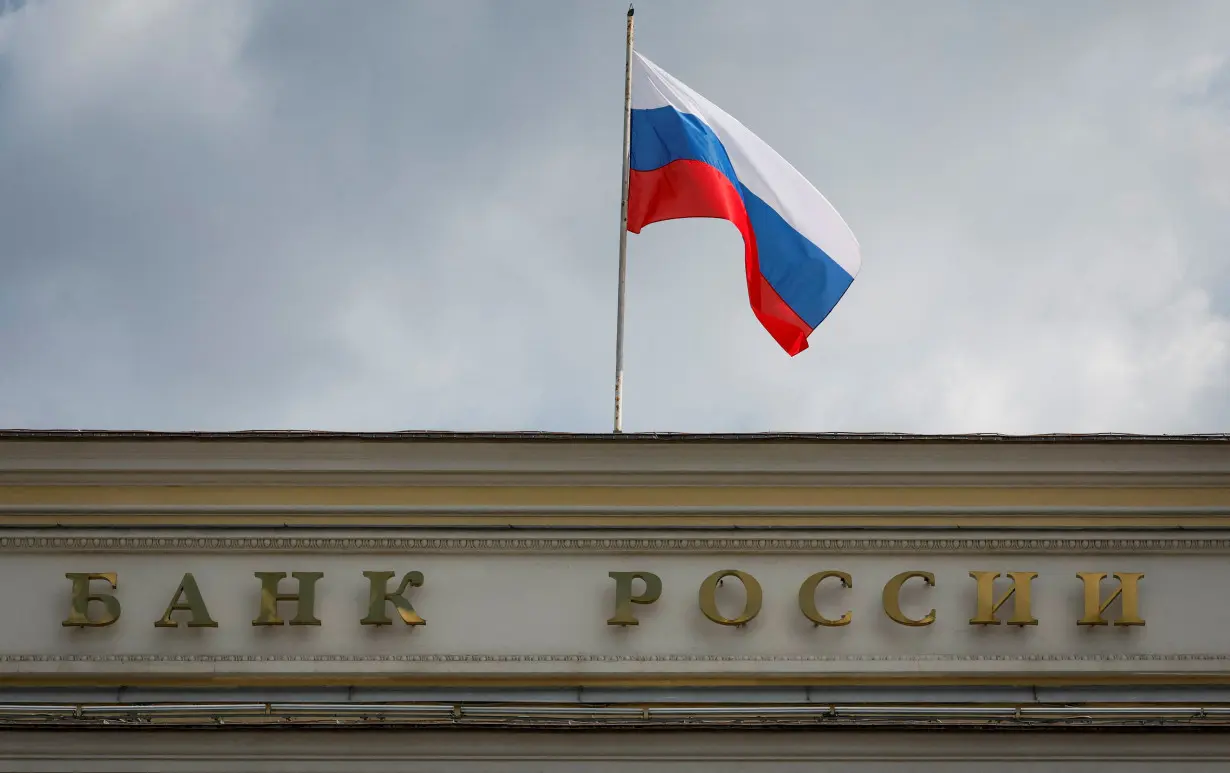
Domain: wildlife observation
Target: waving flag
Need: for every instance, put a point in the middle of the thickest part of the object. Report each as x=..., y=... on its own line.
x=688, y=158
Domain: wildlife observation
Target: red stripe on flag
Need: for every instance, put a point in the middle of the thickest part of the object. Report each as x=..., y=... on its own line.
x=687, y=188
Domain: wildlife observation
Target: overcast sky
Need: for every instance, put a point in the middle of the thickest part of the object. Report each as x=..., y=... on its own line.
x=404, y=215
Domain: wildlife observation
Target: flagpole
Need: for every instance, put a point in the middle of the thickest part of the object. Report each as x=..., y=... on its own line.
x=623, y=232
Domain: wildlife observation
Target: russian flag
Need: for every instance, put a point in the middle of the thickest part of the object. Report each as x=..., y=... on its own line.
x=688, y=158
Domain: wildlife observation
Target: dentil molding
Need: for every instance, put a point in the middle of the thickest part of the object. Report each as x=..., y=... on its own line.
x=607, y=545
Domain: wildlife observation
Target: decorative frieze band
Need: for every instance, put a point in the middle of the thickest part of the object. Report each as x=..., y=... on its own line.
x=148, y=659
x=608, y=545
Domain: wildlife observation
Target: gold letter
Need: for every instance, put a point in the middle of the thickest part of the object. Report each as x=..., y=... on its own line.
x=192, y=603
x=380, y=596
x=807, y=598
x=708, y=597
x=892, y=598
x=1094, y=607
x=987, y=606
x=79, y=616
x=624, y=598
x=305, y=598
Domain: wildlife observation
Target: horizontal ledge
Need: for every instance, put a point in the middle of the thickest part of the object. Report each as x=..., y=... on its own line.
x=743, y=477
x=676, y=680
x=616, y=510
x=626, y=517
x=451, y=713
x=624, y=437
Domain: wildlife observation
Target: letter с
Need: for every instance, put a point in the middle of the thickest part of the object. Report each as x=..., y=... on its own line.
x=807, y=598
x=892, y=599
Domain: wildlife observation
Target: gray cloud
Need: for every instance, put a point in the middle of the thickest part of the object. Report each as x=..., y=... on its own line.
x=219, y=214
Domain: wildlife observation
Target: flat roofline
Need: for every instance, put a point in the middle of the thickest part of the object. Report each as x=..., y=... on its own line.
x=602, y=437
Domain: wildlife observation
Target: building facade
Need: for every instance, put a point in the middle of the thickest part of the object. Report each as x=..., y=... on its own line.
x=274, y=601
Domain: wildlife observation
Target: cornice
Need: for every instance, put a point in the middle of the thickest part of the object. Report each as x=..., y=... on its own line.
x=605, y=437
x=666, y=516
x=445, y=480
x=531, y=459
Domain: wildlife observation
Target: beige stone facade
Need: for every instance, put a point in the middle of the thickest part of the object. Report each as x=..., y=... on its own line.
x=475, y=591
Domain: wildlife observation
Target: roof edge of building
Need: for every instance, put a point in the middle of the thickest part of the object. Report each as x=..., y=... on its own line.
x=598, y=437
